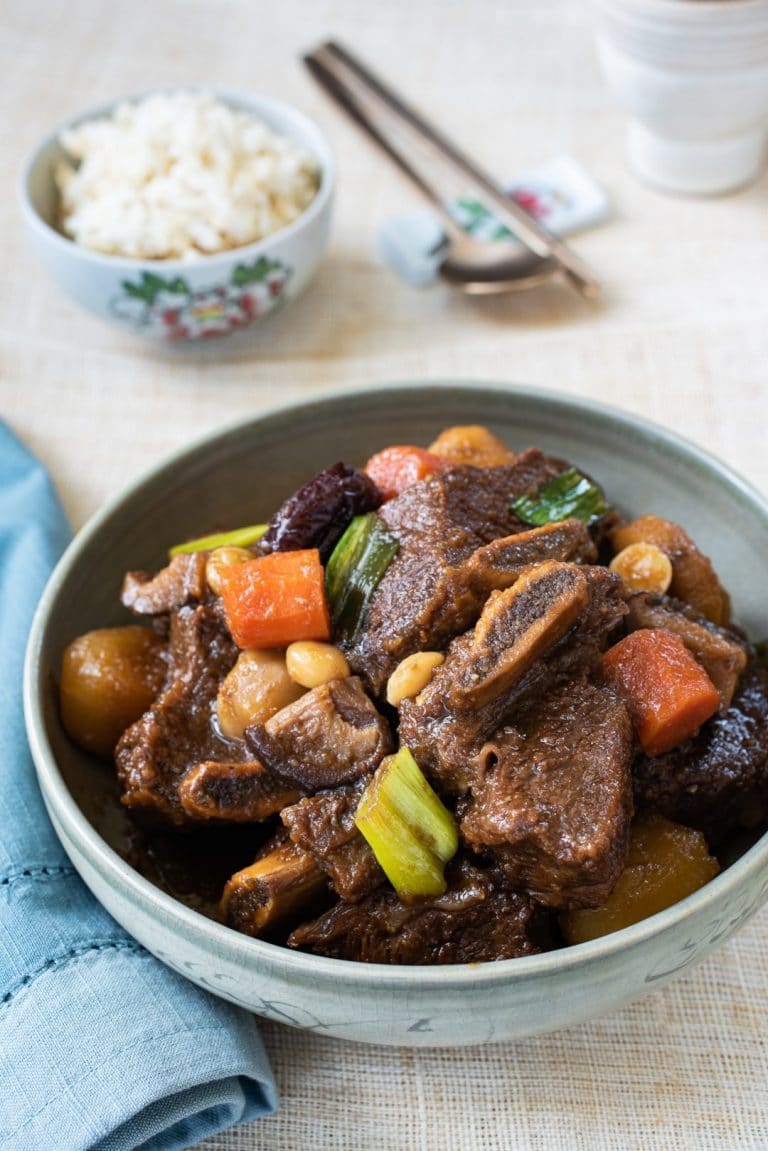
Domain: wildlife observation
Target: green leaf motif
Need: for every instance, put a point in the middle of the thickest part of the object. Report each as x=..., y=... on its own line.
x=474, y=217
x=254, y=273
x=152, y=285
x=135, y=291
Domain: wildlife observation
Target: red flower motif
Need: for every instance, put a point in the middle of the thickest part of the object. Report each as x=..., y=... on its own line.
x=531, y=203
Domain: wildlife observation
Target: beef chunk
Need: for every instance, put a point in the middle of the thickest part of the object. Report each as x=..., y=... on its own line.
x=330, y=736
x=514, y=631
x=497, y=565
x=717, y=780
x=555, y=803
x=324, y=825
x=475, y=921
x=236, y=792
x=438, y=522
x=176, y=733
x=274, y=892
x=549, y=626
x=180, y=583
x=722, y=654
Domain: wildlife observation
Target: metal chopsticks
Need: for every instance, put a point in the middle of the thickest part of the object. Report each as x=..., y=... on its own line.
x=326, y=62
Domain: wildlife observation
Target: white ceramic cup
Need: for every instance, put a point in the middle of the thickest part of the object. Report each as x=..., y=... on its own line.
x=693, y=77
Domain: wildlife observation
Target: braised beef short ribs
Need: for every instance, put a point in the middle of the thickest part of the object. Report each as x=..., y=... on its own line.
x=474, y=921
x=549, y=626
x=180, y=583
x=554, y=805
x=177, y=732
x=511, y=718
x=717, y=781
x=422, y=600
x=331, y=735
x=517, y=731
x=236, y=792
x=721, y=652
x=282, y=886
x=324, y=826
x=496, y=565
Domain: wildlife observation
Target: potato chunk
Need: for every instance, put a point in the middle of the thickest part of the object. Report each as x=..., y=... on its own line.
x=109, y=677
x=694, y=580
x=666, y=862
x=472, y=444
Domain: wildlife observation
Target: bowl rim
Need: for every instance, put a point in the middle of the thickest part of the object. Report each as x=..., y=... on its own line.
x=235, y=98
x=226, y=939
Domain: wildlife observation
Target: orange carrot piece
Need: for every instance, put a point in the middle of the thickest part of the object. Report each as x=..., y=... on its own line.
x=669, y=694
x=395, y=469
x=276, y=599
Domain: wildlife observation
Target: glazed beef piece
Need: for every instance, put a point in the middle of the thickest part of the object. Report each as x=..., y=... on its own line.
x=282, y=886
x=324, y=826
x=554, y=806
x=514, y=632
x=180, y=583
x=722, y=653
x=550, y=626
x=332, y=735
x=475, y=921
x=438, y=522
x=235, y=792
x=716, y=781
x=497, y=565
x=177, y=733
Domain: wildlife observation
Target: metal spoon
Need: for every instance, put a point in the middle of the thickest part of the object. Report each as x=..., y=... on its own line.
x=475, y=266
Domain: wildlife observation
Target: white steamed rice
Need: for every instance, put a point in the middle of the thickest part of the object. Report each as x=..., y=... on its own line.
x=179, y=175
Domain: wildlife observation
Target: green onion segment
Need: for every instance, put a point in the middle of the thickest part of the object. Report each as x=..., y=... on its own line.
x=567, y=496
x=409, y=830
x=354, y=571
x=239, y=538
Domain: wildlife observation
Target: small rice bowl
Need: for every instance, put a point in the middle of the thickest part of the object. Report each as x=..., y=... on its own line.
x=179, y=175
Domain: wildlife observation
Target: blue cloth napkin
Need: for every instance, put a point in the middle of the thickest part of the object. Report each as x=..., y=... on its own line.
x=101, y=1047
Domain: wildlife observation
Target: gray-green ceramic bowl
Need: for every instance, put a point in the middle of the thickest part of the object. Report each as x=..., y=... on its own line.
x=241, y=475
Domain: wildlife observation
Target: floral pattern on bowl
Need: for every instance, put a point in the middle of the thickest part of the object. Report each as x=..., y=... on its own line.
x=169, y=307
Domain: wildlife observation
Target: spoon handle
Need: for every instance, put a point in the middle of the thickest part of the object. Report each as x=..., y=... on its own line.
x=527, y=229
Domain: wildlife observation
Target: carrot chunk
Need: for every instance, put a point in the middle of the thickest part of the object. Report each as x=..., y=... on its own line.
x=276, y=599
x=395, y=469
x=669, y=694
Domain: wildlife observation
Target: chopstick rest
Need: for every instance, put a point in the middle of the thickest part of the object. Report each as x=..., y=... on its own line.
x=102, y=1048
x=560, y=193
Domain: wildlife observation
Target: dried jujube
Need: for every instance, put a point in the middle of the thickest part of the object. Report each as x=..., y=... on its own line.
x=318, y=513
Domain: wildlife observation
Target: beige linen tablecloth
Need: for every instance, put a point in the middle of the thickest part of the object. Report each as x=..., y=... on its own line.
x=682, y=337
